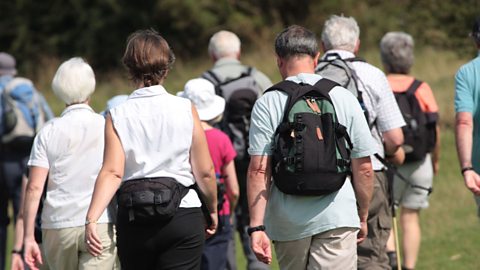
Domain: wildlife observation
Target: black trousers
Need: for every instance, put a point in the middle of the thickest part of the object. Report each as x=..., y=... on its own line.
x=176, y=244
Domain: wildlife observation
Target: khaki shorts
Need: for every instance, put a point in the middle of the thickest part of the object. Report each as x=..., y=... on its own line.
x=334, y=249
x=418, y=173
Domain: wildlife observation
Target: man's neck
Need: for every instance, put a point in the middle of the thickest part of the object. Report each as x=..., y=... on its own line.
x=296, y=66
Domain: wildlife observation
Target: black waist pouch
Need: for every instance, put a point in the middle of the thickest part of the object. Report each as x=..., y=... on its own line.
x=148, y=200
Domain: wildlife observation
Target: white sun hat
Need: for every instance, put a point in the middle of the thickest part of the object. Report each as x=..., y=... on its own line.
x=202, y=94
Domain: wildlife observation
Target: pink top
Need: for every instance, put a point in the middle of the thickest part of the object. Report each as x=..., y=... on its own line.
x=222, y=152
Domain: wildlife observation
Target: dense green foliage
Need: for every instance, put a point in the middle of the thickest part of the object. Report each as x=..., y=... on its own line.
x=97, y=29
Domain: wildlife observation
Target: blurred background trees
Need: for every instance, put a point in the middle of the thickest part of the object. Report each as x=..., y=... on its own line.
x=97, y=29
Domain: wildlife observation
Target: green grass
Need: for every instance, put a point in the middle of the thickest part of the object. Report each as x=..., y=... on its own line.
x=450, y=225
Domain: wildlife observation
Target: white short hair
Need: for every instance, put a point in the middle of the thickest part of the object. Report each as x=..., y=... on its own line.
x=341, y=33
x=74, y=81
x=224, y=43
x=396, y=50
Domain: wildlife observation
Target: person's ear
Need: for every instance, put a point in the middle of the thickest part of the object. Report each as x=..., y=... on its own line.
x=315, y=60
x=279, y=62
x=357, y=47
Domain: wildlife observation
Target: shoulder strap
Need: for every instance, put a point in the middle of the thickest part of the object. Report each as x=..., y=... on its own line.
x=284, y=86
x=355, y=59
x=295, y=91
x=212, y=77
x=413, y=87
x=325, y=86
x=249, y=71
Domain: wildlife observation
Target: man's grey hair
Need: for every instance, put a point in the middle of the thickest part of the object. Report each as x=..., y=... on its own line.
x=74, y=81
x=224, y=44
x=295, y=41
x=340, y=33
x=396, y=50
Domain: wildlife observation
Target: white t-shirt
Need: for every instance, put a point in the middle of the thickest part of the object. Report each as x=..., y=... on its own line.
x=71, y=148
x=156, y=130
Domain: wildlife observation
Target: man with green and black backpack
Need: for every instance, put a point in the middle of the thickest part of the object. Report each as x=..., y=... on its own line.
x=310, y=177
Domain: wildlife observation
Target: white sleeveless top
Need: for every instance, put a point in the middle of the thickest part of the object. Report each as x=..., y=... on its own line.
x=156, y=130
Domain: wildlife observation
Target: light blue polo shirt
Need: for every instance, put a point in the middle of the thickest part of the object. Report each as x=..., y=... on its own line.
x=467, y=99
x=290, y=217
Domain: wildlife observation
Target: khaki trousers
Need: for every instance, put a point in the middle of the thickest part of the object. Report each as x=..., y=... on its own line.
x=334, y=249
x=372, y=253
x=66, y=248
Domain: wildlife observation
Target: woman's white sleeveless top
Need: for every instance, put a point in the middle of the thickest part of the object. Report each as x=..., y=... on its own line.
x=156, y=129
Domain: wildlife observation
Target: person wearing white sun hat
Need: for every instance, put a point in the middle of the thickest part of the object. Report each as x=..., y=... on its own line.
x=202, y=94
x=210, y=108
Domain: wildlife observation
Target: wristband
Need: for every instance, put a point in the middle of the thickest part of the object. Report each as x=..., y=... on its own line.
x=15, y=251
x=90, y=221
x=251, y=230
x=466, y=169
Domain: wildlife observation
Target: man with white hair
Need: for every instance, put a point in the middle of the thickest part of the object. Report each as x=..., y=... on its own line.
x=69, y=151
x=224, y=50
x=14, y=153
x=341, y=36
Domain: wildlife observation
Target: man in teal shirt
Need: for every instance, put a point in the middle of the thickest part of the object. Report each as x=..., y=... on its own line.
x=308, y=231
x=467, y=119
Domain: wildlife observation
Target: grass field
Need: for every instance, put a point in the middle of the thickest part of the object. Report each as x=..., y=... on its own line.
x=450, y=225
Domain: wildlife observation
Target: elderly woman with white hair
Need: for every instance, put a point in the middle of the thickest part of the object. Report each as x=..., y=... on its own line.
x=396, y=50
x=68, y=152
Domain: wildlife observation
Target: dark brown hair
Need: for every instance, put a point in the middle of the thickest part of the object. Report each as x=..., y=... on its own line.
x=147, y=57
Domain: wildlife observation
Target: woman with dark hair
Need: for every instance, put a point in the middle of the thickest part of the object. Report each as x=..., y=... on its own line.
x=155, y=149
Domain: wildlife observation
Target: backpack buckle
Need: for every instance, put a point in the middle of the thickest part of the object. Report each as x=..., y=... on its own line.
x=289, y=160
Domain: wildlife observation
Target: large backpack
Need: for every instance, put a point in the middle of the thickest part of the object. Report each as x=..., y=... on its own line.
x=240, y=94
x=22, y=112
x=312, y=150
x=339, y=70
x=419, y=134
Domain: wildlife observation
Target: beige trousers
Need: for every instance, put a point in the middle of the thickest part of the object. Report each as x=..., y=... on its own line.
x=66, y=249
x=334, y=249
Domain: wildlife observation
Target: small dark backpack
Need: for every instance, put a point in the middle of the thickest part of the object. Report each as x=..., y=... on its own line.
x=312, y=150
x=240, y=95
x=419, y=134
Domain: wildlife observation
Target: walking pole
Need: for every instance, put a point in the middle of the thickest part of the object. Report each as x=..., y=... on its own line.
x=395, y=237
x=390, y=177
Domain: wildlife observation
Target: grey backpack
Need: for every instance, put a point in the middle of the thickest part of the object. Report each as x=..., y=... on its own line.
x=339, y=70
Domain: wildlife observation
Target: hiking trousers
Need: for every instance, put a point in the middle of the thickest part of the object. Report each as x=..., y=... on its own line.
x=372, y=253
x=175, y=244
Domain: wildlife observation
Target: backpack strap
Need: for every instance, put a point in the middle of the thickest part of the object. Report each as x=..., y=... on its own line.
x=413, y=87
x=296, y=90
x=212, y=77
x=249, y=71
x=355, y=59
x=392, y=168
